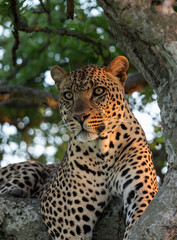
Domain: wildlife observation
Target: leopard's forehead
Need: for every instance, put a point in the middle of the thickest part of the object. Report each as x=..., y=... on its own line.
x=85, y=77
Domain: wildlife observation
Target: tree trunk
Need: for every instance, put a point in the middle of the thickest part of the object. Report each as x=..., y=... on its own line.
x=147, y=34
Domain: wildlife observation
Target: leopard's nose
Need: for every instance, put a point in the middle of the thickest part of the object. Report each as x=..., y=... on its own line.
x=81, y=118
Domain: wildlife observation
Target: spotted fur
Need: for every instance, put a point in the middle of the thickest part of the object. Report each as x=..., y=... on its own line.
x=107, y=156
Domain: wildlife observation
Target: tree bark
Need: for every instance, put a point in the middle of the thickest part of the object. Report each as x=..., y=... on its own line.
x=20, y=219
x=148, y=36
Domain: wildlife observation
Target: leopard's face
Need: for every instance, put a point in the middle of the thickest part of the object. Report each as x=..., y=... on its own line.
x=91, y=102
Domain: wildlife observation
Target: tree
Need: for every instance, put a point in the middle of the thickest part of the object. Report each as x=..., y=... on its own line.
x=144, y=31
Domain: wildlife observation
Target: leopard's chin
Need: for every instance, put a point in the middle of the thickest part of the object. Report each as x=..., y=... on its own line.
x=85, y=136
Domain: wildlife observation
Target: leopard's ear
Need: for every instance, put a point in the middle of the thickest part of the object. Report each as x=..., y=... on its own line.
x=118, y=68
x=58, y=75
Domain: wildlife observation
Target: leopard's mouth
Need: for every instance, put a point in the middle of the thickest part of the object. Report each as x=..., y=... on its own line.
x=85, y=136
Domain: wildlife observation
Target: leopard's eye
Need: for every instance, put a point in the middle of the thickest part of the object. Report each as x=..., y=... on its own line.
x=68, y=95
x=98, y=91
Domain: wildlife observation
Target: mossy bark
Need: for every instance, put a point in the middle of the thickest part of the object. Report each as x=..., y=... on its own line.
x=20, y=219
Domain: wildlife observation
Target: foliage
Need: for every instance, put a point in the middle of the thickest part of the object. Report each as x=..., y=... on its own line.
x=26, y=57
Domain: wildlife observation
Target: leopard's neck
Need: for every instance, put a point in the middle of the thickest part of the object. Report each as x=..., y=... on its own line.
x=107, y=148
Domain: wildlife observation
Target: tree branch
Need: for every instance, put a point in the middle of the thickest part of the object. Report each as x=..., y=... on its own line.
x=45, y=10
x=31, y=95
x=61, y=32
x=14, y=9
x=18, y=214
x=44, y=7
x=22, y=25
x=70, y=9
x=135, y=82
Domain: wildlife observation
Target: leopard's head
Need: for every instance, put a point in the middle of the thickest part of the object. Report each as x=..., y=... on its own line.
x=92, y=98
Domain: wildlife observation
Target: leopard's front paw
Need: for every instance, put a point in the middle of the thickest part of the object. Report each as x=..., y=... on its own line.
x=15, y=192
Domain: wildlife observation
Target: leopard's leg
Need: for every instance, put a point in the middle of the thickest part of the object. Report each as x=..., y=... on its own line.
x=136, y=181
x=21, y=179
x=135, y=203
x=138, y=191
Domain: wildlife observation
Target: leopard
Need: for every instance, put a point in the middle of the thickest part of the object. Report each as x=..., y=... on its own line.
x=107, y=156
